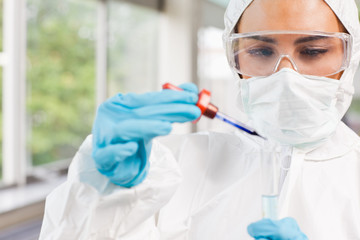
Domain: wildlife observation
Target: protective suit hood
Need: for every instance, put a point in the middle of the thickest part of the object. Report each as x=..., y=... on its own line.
x=347, y=13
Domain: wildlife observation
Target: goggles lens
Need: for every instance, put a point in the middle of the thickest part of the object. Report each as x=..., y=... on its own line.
x=262, y=54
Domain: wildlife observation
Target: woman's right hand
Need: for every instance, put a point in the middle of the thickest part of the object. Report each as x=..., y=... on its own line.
x=125, y=125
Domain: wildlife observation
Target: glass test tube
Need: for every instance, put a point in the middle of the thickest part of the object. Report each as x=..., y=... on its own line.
x=270, y=176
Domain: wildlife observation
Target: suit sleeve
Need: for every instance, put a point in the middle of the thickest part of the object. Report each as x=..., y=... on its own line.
x=88, y=206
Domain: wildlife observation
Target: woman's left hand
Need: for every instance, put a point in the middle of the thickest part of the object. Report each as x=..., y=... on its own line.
x=284, y=229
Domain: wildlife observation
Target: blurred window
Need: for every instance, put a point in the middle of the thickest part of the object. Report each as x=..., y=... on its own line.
x=1, y=49
x=132, y=48
x=61, y=65
x=352, y=116
x=1, y=135
x=222, y=3
x=60, y=77
x=1, y=25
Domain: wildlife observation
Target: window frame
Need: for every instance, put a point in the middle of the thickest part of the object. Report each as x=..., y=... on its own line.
x=13, y=96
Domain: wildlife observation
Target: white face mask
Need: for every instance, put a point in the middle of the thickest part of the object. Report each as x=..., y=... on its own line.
x=290, y=108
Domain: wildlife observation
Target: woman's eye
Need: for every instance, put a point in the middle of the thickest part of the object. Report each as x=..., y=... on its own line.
x=313, y=52
x=260, y=52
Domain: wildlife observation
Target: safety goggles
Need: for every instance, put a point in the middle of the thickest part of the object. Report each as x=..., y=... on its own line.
x=310, y=53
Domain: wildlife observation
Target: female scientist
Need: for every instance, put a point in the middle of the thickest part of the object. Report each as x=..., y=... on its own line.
x=295, y=62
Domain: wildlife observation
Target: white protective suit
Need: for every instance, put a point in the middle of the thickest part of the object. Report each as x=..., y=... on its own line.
x=207, y=185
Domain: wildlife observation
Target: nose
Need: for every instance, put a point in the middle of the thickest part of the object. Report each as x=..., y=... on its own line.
x=285, y=61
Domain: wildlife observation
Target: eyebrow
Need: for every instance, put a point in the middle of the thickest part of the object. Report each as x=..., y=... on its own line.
x=298, y=41
x=309, y=39
x=264, y=39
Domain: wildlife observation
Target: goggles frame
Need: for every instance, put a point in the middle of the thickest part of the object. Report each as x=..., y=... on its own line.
x=345, y=37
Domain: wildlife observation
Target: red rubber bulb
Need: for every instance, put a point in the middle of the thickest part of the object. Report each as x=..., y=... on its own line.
x=207, y=108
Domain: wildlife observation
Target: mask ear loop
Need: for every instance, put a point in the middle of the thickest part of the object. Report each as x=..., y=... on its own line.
x=281, y=58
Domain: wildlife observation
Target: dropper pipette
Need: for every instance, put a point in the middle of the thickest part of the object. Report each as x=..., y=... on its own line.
x=237, y=124
x=211, y=111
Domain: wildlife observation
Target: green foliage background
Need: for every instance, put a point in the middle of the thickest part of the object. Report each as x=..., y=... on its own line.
x=61, y=69
x=60, y=77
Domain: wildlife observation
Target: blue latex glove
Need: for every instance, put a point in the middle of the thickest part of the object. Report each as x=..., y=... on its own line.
x=284, y=229
x=126, y=124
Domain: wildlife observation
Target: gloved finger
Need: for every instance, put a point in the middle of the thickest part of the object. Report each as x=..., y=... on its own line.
x=136, y=167
x=107, y=158
x=132, y=100
x=140, y=177
x=169, y=112
x=190, y=87
x=261, y=229
x=133, y=130
x=126, y=171
x=289, y=227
